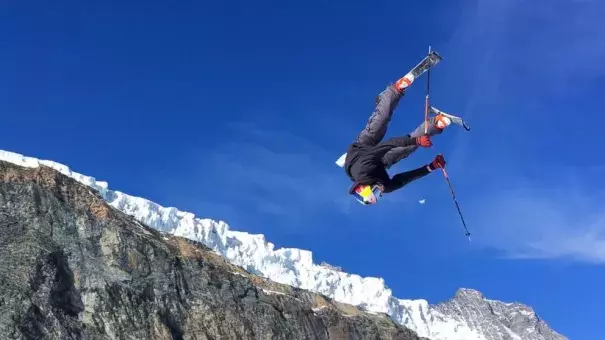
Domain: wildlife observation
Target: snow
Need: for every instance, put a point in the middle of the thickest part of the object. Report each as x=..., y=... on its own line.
x=289, y=266
x=272, y=292
x=319, y=309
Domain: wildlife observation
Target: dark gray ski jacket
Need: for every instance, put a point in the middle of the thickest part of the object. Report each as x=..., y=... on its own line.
x=364, y=165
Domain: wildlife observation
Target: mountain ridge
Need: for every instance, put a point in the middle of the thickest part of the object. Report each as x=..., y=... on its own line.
x=500, y=320
x=74, y=267
x=290, y=266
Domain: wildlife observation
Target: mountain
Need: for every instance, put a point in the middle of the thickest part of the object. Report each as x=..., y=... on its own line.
x=73, y=267
x=452, y=320
x=497, y=320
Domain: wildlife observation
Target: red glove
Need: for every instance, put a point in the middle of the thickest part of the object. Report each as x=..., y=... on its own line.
x=424, y=141
x=438, y=162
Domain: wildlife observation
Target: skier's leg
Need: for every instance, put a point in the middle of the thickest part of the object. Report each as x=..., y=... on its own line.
x=396, y=154
x=376, y=126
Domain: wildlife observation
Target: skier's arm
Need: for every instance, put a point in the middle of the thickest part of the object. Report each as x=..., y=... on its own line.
x=404, y=178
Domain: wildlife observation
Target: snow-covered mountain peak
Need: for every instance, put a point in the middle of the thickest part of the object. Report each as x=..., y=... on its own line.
x=497, y=320
x=468, y=316
x=472, y=296
x=468, y=293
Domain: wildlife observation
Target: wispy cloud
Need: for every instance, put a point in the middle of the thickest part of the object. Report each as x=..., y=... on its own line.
x=278, y=174
x=516, y=61
x=530, y=62
x=525, y=219
x=490, y=67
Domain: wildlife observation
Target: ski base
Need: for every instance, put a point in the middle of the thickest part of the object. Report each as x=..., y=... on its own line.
x=429, y=61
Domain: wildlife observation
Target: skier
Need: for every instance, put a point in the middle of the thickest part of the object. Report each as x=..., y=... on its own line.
x=368, y=157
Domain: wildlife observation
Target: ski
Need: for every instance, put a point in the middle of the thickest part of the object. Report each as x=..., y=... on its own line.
x=432, y=59
x=455, y=119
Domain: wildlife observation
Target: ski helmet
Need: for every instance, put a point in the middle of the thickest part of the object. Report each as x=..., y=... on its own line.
x=366, y=194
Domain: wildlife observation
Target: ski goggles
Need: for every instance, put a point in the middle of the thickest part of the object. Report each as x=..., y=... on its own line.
x=366, y=194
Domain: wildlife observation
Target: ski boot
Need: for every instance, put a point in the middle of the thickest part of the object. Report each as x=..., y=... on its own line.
x=443, y=119
x=404, y=82
x=424, y=65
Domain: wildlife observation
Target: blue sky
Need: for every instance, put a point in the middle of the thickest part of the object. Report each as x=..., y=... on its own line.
x=238, y=110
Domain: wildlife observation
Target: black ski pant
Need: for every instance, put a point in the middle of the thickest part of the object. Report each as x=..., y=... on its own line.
x=376, y=127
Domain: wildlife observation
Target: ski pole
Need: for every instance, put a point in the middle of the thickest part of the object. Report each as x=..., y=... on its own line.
x=449, y=183
x=426, y=101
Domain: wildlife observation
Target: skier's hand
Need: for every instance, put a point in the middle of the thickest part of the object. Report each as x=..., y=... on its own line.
x=438, y=162
x=424, y=141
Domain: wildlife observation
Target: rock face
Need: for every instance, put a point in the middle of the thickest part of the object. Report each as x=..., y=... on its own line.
x=73, y=267
x=497, y=320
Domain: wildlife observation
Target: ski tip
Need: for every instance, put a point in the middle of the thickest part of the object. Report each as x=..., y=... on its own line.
x=435, y=55
x=341, y=160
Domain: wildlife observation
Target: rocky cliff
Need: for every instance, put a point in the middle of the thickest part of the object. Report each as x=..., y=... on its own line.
x=74, y=267
x=497, y=320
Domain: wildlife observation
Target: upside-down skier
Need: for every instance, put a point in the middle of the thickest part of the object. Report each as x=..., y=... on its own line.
x=368, y=157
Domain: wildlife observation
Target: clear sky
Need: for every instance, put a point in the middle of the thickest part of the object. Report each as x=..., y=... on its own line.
x=237, y=110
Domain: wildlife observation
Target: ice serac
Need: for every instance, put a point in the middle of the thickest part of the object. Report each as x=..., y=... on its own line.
x=495, y=319
x=290, y=266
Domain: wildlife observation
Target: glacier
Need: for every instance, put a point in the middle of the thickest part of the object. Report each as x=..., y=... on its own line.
x=289, y=266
